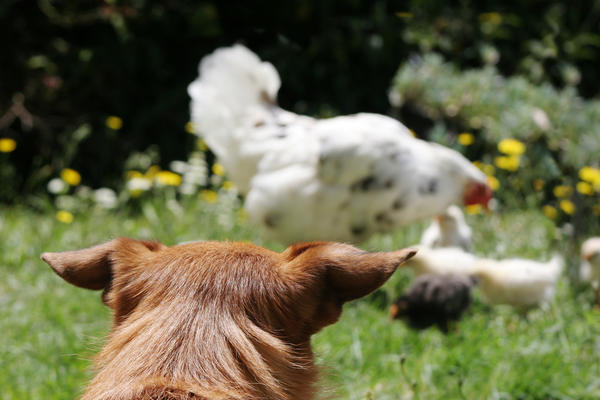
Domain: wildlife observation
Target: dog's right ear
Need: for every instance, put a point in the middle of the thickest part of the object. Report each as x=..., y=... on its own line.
x=92, y=268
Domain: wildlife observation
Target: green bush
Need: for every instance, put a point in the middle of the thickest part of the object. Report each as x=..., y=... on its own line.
x=543, y=142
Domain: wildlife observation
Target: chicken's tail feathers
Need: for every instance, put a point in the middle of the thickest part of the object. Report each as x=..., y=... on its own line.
x=231, y=82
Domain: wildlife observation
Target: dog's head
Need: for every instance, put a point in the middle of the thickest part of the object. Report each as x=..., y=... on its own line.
x=217, y=319
x=294, y=293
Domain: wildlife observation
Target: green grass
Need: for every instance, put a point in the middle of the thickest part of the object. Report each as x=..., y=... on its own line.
x=50, y=330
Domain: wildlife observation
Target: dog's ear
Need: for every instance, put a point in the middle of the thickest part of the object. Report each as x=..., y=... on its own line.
x=92, y=268
x=352, y=274
x=334, y=273
x=348, y=272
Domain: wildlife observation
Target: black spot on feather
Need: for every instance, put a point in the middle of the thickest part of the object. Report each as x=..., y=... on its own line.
x=429, y=187
x=398, y=203
x=383, y=218
x=272, y=220
x=365, y=184
x=358, y=230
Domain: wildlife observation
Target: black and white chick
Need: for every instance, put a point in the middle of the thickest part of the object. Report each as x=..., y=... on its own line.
x=434, y=300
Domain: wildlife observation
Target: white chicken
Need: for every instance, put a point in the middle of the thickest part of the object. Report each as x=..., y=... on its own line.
x=441, y=261
x=448, y=230
x=590, y=265
x=341, y=178
x=523, y=284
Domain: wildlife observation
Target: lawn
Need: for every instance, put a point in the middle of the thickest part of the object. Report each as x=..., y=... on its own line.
x=50, y=330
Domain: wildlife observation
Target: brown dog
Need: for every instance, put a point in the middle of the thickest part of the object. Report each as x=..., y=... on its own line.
x=217, y=320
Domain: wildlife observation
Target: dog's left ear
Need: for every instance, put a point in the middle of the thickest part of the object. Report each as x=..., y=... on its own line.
x=92, y=268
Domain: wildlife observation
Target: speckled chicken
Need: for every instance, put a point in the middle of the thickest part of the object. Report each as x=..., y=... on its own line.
x=590, y=265
x=448, y=229
x=434, y=300
x=341, y=178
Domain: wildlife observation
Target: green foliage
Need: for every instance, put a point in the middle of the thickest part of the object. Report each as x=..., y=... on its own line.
x=543, y=41
x=559, y=131
x=481, y=99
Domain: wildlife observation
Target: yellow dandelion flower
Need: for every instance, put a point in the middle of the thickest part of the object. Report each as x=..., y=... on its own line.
x=412, y=133
x=115, y=123
x=209, y=196
x=466, y=139
x=567, y=206
x=539, y=184
x=152, y=171
x=201, y=145
x=135, y=193
x=510, y=163
x=228, y=185
x=218, y=169
x=512, y=147
x=590, y=174
x=493, y=182
x=70, y=176
x=7, y=145
x=488, y=169
x=168, y=178
x=473, y=209
x=561, y=191
x=189, y=127
x=132, y=174
x=64, y=216
x=585, y=188
x=404, y=14
x=493, y=18
x=550, y=211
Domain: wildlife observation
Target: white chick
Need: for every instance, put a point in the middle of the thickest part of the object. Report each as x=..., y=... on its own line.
x=590, y=265
x=523, y=284
x=441, y=261
x=448, y=230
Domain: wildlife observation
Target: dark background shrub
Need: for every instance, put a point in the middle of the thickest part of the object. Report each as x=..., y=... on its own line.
x=68, y=65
